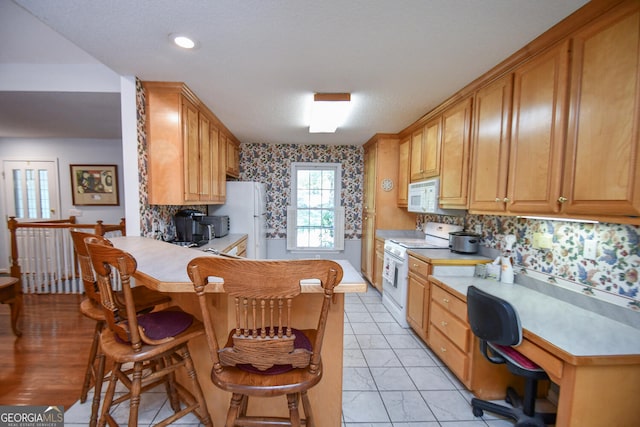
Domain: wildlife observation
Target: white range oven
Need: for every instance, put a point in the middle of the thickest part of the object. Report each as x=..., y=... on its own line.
x=395, y=271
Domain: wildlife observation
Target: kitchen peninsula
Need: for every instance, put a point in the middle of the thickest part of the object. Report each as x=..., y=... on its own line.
x=163, y=267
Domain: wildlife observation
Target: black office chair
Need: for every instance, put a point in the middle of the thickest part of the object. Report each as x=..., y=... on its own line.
x=497, y=325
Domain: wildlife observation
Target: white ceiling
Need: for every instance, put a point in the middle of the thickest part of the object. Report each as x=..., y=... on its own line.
x=260, y=61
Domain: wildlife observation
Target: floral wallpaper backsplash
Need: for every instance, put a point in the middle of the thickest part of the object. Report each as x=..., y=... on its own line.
x=271, y=165
x=612, y=276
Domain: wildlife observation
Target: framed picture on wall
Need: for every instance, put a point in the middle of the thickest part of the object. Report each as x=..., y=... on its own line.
x=95, y=185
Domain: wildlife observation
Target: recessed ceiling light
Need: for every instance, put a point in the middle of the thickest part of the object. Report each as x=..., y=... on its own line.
x=183, y=41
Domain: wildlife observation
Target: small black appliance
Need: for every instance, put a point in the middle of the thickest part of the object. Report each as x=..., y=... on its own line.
x=188, y=227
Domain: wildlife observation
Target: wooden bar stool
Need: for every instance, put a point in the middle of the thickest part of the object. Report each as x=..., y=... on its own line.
x=10, y=293
x=158, y=339
x=265, y=355
x=145, y=300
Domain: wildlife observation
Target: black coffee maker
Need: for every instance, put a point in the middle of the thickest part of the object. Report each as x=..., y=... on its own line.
x=188, y=229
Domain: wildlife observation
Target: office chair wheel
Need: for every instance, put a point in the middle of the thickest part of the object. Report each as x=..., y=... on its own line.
x=477, y=412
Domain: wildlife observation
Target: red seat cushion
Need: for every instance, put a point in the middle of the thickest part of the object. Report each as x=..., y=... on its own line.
x=516, y=357
x=159, y=325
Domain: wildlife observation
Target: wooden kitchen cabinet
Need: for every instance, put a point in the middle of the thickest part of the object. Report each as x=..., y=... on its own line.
x=451, y=339
x=240, y=248
x=404, y=154
x=378, y=264
x=379, y=204
x=233, y=158
x=490, y=145
x=537, y=132
x=182, y=147
x=450, y=331
x=454, y=162
x=418, y=297
x=602, y=159
x=425, y=150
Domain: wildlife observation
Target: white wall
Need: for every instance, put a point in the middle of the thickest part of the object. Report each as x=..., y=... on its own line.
x=66, y=152
x=277, y=249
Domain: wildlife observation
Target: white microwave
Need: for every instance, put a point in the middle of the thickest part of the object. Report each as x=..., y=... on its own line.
x=423, y=198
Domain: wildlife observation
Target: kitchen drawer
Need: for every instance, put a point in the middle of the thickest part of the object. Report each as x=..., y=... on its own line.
x=456, y=360
x=452, y=327
x=551, y=364
x=419, y=267
x=450, y=302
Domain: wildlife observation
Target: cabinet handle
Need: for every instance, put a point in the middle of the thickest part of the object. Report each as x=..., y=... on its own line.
x=498, y=200
x=562, y=199
x=445, y=300
x=442, y=349
x=415, y=265
x=443, y=323
x=506, y=200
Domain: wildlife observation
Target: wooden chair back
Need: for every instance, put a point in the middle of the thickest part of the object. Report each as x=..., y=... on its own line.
x=84, y=260
x=108, y=261
x=263, y=294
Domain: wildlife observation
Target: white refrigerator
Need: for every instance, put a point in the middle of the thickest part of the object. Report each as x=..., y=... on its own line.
x=246, y=207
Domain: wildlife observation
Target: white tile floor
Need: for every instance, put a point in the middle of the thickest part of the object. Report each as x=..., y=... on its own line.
x=390, y=379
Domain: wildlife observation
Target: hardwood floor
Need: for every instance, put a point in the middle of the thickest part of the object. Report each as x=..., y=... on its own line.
x=46, y=365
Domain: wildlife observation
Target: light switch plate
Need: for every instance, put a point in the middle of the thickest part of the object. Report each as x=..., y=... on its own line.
x=590, y=249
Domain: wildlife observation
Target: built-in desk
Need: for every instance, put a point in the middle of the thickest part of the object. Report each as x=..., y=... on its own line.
x=163, y=267
x=594, y=360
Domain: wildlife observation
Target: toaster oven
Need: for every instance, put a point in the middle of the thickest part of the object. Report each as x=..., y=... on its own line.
x=219, y=225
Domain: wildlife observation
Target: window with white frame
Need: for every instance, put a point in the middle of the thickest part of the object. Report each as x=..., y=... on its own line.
x=315, y=219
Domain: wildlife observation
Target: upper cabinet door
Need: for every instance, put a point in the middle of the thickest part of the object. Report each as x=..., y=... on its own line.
x=602, y=172
x=416, y=155
x=191, y=140
x=404, y=152
x=425, y=150
x=370, y=164
x=490, y=146
x=431, y=148
x=537, y=132
x=456, y=136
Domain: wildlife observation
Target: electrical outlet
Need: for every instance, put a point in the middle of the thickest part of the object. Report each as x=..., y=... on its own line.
x=536, y=240
x=546, y=241
x=590, y=249
x=542, y=240
x=478, y=228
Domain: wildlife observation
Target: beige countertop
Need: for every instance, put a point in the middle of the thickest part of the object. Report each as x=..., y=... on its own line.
x=573, y=331
x=446, y=257
x=163, y=266
x=223, y=244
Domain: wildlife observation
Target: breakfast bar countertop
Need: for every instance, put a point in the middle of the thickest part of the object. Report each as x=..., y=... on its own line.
x=163, y=266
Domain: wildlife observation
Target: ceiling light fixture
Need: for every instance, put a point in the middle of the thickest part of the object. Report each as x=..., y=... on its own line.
x=328, y=111
x=182, y=41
